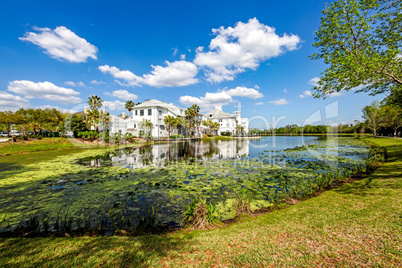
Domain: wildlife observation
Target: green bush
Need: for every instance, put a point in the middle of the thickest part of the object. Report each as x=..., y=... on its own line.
x=115, y=138
x=129, y=137
x=39, y=137
x=104, y=136
x=89, y=135
x=199, y=214
x=227, y=133
x=176, y=136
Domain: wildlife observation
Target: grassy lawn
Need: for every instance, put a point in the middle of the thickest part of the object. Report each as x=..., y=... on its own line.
x=217, y=138
x=357, y=224
x=44, y=144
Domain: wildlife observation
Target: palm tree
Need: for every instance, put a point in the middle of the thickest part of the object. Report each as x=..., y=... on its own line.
x=147, y=125
x=195, y=111
x=215, y=126
x=189, y=115
x=182, y=122
x=94, y=102
x=129, y=106
x=170, y=121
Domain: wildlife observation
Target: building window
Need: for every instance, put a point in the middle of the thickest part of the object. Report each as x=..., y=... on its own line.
x=149, y=111
x=135, y=125
x=220, y=120
x=136, y=112
x=210, y=115
x=141, y=112
x=160, y=112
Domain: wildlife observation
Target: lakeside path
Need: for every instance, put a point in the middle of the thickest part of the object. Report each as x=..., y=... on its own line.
x=357, y=224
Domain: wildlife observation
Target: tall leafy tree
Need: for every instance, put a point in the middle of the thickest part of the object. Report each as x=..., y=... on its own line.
x=94, y=102
x=170, y=122
x=92, y=118
x=9, y=118
x=129, y=106
x=373, y=116
x=361, y=42
x=147, y=125
x=392, y=117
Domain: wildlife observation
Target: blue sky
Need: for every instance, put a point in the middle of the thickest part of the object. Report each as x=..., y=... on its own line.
x=56, y=54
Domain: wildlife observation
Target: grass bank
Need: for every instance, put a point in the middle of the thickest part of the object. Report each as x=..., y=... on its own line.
x=44, y=144
x=217, y=138
x=356, y=224
x=47, y=144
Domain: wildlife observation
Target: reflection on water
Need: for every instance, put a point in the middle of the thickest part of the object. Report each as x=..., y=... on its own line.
x=162, y=154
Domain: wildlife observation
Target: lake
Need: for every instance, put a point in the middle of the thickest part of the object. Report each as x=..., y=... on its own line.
x=162, y=154
x=107, y=189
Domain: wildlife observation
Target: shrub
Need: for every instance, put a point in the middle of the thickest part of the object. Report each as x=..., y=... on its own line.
x=39, y=137
x=176, y=136
x=129, y=137
x=104, y=136
x=115, y=138
x=199, y=214
x=227, y=133
x=242, y=204
x=89, y=135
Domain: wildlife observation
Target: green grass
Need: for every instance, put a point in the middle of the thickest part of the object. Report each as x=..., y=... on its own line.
x=44, y=144
x=357, y=224
x=47, y=144
x=217, y=138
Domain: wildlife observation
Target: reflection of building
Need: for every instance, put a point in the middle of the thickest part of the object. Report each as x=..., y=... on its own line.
x=155, y=111
x=163, y=154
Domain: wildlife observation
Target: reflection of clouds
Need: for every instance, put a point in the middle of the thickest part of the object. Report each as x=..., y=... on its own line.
x=163, y=154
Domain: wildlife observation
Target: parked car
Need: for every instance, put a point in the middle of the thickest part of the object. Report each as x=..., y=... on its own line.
x=3, y=134
x=15, y=133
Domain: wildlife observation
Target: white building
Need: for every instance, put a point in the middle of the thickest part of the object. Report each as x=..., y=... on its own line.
x=156, y=111
x=228, y=122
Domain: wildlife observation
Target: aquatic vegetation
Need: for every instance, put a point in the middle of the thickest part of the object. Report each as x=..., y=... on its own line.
x=111, y=195
x=199, y=214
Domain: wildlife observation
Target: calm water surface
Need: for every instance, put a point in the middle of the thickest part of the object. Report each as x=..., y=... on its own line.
x=163, y=154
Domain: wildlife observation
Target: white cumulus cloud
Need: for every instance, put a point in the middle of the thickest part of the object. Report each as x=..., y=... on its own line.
x=305, y=94
x=279, y=102
x=73, y=84
x=11, y=102
x=44, y=90
x=220, y=98
x=112, y=106
x=235, y=49
x=209, y=101
x=174, y=74
x=122, y=94
x=314, y=81
x=245, y=92
x=95, y=82
x=62, y=44
x=128, y=77
x=259, y=103
x=63, y=110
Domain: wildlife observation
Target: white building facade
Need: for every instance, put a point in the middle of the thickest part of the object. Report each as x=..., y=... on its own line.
x=155, y=111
